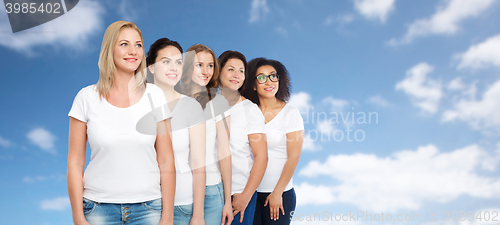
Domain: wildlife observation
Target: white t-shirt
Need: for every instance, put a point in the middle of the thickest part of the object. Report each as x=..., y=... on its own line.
x=215, y=110
x=186, y=114
x=246, y=118
x=286, y=121
x=123, y=166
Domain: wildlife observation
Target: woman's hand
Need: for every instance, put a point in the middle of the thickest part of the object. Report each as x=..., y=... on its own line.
x=275, y=204
x=227, y=214
x=240, y=203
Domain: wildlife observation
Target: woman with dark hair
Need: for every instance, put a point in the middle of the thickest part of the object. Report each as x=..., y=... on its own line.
x=164, y=61
x=199, y=80
x=131, y=175
x=248, y=139
x=268, y=85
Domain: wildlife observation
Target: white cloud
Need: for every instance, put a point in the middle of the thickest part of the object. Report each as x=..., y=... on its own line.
x=425, y=92
x=456, y=84
x=377, y=100
x=375, y=9
x=446, y=20
x=483, y=113
x=60, y=203
x=43, y=139
x=325, y=127
x=481, y=55
x=127, y=11
x=403, y=180
x=72, y=30
x=5, y=143
x=301, y=101
x=258, y=11
x=336, y=105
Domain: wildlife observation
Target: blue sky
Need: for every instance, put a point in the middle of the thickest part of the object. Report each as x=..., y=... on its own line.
x=428, y=69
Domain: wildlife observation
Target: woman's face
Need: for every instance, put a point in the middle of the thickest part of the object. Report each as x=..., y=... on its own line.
x=128, y=51
x=269, y=88
x=203, y=68
x=232, y=74
x=168, y=66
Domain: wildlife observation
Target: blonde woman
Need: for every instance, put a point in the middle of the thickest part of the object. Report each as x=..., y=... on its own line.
x=131, y=175
x=199, y=80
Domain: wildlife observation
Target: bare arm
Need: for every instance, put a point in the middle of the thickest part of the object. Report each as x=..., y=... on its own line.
x=258, y=144
x=77, y=144
x=294, y=148
x=197, y=145
x=224, y=155
x=166, y=164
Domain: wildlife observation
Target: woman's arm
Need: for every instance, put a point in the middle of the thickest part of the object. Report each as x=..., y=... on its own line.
x=294, y=147
x=166, y=164
x=258, y=144
x=224, y=155
x=197, y=146
x=77, y=144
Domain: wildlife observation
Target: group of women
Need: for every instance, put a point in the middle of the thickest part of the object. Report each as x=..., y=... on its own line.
x=182, y=138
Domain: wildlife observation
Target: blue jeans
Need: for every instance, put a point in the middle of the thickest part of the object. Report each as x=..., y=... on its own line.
x=214, y=201
x=248, y=214
x=262, y=214
x=148, y=213
x=183, y=214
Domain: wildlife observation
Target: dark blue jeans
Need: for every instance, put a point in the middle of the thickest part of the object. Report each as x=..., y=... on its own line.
x=249, y=212
x=262, y=214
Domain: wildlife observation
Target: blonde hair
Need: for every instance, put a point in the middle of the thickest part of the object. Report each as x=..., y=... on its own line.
x=107, y=67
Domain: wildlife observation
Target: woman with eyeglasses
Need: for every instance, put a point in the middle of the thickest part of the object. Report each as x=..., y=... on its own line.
x=200, y=81
x=164, y=61
x=268, y=86
x=248, y=139
x=131, y=174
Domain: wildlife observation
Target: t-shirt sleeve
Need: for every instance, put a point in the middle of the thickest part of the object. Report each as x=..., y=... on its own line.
x=293, y=121
x=79, y=108
x=196, y=112
x=255, y=120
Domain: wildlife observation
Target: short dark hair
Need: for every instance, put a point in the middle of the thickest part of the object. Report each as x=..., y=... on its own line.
x=153, y=52
x=226, y=56
x=284, y=88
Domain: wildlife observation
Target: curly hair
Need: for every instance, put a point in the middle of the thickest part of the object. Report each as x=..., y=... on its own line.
x=284, y=88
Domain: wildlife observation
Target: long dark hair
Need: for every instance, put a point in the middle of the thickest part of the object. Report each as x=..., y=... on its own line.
x=284, y=88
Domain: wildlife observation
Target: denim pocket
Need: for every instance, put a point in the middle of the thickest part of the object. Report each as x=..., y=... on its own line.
x=88, y=206
x=185, y=210
x=154, y=205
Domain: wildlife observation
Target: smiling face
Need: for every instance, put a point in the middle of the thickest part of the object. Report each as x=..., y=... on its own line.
x=128, y=51
x=233, y=74
x=203, y=68
x=269, y=88
x=168, y=66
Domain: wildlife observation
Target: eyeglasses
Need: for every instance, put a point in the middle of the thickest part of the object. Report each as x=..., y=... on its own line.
x=262, y=79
